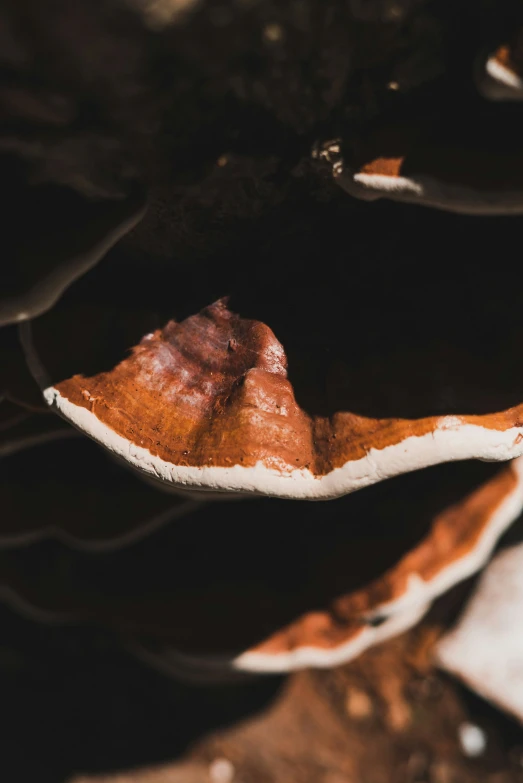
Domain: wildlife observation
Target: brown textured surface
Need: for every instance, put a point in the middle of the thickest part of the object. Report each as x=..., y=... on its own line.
x=374, y=343
x=452, y=536
x=213, y=390
x=510, y=54
x=386, y=167
x=386, y=718
x=504, y=56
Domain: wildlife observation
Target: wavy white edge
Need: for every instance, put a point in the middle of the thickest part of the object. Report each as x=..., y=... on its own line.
x=429, y=192
x=322, y=658
x=452, y=440
x=406, y=610
x=403, y=613
x=485, y=649
x=47, y=291
x=500, y=83
x=215, y=667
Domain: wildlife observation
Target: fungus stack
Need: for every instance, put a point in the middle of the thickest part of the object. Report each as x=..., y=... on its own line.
x=240, y=337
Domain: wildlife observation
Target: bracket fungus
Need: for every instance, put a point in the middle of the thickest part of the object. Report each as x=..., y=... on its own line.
x=324, y=599
x=207, y=404
x=463, y=159
x=501, y=78
x=382, y=712
x=485, y=649
x=444, y=147
x=371, y=351
x=459, y=543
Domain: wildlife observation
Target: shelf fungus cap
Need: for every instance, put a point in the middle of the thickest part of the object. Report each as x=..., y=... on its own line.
x=458, y=544
x=485, y=649
x=463, y=159
x=316, y=606
x=501, y=75
x=207, y=404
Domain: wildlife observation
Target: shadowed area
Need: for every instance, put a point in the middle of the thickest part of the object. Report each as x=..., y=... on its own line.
x=230, y=574
x=59, y=239
x=77, y=494
x=447, y=134
x=77, y=703
x=383, y=310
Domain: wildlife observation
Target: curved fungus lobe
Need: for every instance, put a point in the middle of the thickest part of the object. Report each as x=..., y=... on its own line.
x=461, y=156
x=501, y=78
x=460, y=541
x=319, y=598
x=206, y=404
x=485, y=649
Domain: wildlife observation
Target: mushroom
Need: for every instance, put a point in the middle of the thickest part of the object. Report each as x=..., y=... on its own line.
x=501, y=78
x=375, y=719
x=207, y=404
x=459, y=543
x=459, y=155
x=485, y=649
x=217, y=403
x=319, y=598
